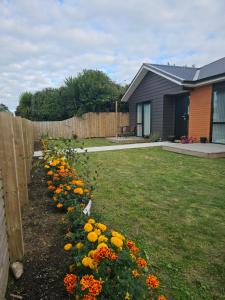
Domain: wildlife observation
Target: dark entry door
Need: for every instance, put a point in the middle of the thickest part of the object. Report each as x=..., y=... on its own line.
x=181, y=115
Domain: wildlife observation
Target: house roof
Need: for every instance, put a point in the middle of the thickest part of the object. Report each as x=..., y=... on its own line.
x=181, y=75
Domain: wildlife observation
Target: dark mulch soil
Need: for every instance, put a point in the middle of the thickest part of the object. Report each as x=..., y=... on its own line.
x=45, y=261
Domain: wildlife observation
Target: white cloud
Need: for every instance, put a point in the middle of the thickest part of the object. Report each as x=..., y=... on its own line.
x=42, y=41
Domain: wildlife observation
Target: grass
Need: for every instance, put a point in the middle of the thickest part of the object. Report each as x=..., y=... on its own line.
x=173, y=206
x=94, y=142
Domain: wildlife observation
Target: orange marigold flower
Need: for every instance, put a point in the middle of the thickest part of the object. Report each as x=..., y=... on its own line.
x=49, y=182
x=86, y=190
x=78, y=191
x=68, y=247
x=141, y=262
x=130, y=244
x=152, y=281
x=68, y=187
x=161, y=297
x=95, y=288
x=58, y=190
x=70, y=281
x=86, y=281
x=134, y=249
x=59, y=205
x=50, y=172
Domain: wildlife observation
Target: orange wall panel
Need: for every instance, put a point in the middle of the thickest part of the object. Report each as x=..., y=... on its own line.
x=200, y=112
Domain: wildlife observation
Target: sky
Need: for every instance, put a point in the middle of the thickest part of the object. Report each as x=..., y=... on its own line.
x=44, y=41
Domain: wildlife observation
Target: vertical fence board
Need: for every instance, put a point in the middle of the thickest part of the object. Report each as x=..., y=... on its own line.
x=4, y=254
x=8, y=162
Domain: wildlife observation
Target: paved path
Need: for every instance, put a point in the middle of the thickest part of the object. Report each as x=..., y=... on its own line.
x=116, y=147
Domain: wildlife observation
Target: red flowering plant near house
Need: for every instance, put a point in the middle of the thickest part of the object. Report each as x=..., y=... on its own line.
x=187, y=140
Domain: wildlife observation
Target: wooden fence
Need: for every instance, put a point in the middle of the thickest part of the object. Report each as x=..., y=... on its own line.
x=88, y=126
x=16, y=152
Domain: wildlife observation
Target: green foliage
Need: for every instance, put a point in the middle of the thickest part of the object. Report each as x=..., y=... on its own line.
x=90, y=91
x=3, y=107
x=24, y=108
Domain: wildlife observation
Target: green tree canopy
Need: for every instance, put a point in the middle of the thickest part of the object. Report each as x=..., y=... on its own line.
x=24, y=107
x=89, y=91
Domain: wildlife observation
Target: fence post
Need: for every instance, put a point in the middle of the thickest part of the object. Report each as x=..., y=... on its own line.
x=8, y=162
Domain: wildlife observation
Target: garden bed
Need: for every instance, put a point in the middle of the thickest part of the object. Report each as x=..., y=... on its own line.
x=44, y=261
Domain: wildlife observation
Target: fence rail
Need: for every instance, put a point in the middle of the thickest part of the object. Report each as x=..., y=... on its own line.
x=88, y=126
x=16, y=152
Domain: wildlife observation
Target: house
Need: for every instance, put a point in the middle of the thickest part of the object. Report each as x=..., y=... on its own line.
x=179, y=101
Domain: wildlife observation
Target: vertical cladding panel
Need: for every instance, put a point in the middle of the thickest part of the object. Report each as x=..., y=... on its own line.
x=153, y=88
x=200, y=112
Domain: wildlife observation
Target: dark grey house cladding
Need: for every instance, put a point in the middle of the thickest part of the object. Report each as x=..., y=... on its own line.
x=158, y=91
x=166, y=100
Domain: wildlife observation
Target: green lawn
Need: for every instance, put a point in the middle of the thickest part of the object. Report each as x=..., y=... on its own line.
x=94, y=142
x=173, y=206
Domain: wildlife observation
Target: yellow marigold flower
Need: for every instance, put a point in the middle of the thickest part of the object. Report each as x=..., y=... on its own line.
x=55, y=198
x=79, y=245
x=102, y=238
x=70, y=208
x=117, y=234
x=91, y=221
x=101, y=226
x=88, y=227
x=68, y=187
x=101, y=245
x=47, y=166
x=116, y=242
x=97, y=231
x=68, y=247
x=59, y=205
x=135, y=273
x=91, y=253
x=88, y=262
x=92, y=236
x=78, y=191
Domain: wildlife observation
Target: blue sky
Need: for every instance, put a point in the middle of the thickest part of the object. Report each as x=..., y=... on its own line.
x=44, y=41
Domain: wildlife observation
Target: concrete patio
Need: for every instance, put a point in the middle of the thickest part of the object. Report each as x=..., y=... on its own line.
x=197, y=149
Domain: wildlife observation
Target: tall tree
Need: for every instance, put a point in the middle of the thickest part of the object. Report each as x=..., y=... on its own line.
x=24, y=107
x=3, y=107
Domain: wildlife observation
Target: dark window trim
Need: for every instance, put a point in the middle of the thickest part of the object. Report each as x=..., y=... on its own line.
x=142, y=115
x=215, y=87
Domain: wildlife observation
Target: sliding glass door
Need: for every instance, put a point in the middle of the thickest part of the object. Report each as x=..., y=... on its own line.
x=218, y=119
x=144, y=119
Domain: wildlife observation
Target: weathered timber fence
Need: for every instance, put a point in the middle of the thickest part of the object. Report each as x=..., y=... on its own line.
x=89, y=125
x=16, y=152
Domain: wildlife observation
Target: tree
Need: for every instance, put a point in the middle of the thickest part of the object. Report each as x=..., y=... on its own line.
x=93, y=91
x=24, y=107
x=90, y=91
x=47, y=105
x=3, y=107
